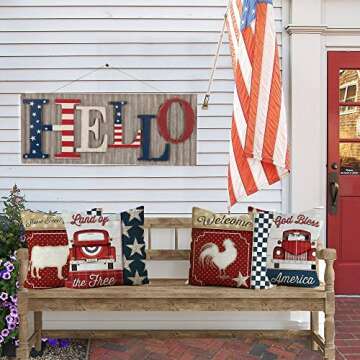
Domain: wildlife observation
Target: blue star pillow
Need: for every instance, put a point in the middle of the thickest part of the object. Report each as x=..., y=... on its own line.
x=132, y=228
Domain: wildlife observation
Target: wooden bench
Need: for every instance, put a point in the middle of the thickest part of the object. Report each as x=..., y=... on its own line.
x=175, y=295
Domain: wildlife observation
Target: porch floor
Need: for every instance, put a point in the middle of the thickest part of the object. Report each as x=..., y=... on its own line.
x=347, y=340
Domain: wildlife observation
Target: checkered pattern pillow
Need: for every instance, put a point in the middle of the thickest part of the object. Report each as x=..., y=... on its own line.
x=262, y=225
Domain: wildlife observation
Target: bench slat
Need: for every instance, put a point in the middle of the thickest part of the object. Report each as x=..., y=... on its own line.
x=177, y=289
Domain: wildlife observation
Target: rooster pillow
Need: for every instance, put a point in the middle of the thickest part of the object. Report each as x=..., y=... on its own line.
x=221, y=249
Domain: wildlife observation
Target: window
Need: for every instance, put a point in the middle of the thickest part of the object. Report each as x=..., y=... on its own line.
x=348, y=93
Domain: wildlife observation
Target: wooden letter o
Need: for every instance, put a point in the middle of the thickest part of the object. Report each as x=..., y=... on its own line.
x=189, y=120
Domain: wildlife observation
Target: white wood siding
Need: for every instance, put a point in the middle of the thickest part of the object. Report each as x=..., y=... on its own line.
x=167, y=43
x=170, y=45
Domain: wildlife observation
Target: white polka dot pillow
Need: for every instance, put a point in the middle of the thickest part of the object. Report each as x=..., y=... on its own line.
x=221, y=249
x=48, y=250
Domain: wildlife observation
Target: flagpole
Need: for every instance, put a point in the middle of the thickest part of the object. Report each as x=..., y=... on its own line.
x=205, y=103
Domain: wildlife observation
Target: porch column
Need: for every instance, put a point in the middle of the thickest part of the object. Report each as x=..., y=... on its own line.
x=308, y=128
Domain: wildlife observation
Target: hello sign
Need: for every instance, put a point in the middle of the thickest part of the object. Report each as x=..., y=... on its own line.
x=140, y=129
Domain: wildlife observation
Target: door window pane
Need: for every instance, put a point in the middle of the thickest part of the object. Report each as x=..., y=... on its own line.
x=349, y=158
x=348, y=89
x=349, y=127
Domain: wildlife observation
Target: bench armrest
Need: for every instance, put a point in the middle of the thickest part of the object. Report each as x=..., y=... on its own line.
x=22, y=256
x=329, y=256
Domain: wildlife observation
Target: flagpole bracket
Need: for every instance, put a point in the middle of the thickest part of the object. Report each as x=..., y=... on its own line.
x=205, y=104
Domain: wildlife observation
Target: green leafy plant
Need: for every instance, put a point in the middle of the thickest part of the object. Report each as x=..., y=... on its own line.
x=11, y=239
x=11, y=229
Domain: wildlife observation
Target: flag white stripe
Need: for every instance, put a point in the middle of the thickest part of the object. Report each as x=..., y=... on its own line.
x=237, y=183
x=265, y=84
x=281, y=143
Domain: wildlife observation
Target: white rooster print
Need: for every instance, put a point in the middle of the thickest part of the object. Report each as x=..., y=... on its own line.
x=211, y=255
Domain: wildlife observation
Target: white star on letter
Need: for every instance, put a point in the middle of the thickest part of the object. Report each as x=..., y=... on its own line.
x=241, y=280
x=137, y=279
x=135, y=248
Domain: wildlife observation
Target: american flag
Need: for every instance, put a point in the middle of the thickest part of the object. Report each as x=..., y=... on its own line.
x=259, y=142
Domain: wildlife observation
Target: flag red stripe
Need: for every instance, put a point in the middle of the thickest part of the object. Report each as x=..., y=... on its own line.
x=232, y=196
x=271, y=172
x=242, y=92
x=273, y=115
x=261, y=10
x=245, y=173
x=67, y=132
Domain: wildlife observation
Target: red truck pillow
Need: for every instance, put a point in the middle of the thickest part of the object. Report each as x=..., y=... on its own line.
x=221, y=249
x=95, y=249
x=48, y=250
x=292, y=243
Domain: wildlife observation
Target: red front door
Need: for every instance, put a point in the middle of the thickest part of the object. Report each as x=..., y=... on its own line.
x=343, y=168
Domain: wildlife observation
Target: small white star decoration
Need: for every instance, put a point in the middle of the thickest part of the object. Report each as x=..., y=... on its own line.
x=241, y=280
x=127, y=263
x=137, y=279
x=134, y=214
x=136, y=248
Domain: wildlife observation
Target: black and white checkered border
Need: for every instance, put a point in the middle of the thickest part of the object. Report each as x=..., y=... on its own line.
x=94, y=211
x=262, y=225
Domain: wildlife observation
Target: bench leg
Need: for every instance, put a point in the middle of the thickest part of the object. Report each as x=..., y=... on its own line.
x=329, y=330
x=314, y=322
x=22, y=352
x=38, y=329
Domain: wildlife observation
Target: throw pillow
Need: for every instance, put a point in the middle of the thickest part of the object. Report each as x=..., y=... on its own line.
x=48, y=250
x=132, y=230
x=95, y=249
x=292, y=243
x=221, y=249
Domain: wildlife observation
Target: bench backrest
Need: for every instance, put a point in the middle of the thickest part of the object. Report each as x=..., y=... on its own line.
x=166, y=223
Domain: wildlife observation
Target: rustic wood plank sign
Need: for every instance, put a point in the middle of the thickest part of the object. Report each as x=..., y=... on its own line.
x=131, y=129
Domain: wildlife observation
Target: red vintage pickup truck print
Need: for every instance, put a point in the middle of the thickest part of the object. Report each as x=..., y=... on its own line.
x=91, y=246
x=295, y=251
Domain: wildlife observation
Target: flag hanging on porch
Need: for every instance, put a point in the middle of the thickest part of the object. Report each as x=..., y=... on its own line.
x=259, y=142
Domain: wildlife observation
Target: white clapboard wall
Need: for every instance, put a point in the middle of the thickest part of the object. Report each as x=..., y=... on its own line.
x=169, y=45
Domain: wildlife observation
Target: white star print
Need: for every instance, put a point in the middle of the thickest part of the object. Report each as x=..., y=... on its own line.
x=34, y=151
x=32, y=138
x=125, y=229
x=37, y=121
x=118, y=113
x=31, y=103
x=39, y=132
x=127, y=263
x=134, y=214
x=135, y=248
x=31, y=126
x=33, y=114
x=39, y=106
x=37, y=144
x=137, y=279
x=240, y=280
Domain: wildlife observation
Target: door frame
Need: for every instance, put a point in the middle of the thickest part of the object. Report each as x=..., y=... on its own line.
x=336, y=60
